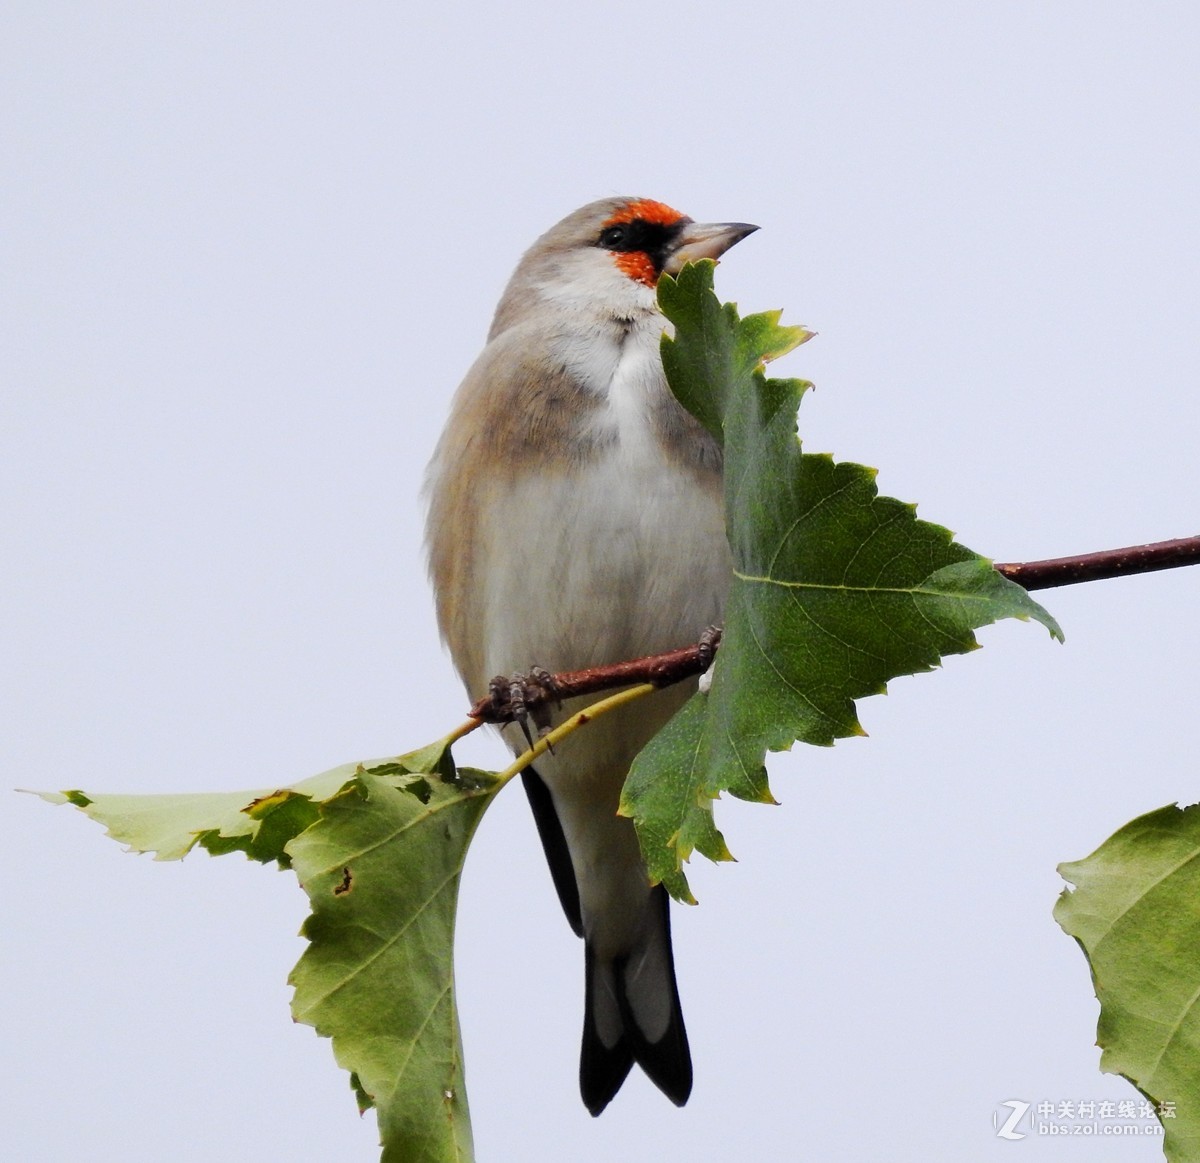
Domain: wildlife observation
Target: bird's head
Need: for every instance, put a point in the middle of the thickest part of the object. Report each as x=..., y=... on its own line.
x=608, y=256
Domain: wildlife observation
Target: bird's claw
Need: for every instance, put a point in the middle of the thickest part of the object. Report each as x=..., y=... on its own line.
x=707, y=646
x=519, y=698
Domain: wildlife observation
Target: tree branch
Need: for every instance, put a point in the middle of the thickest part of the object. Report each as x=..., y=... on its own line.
x=1069, y=571
x=687, y=661
x=659, y=669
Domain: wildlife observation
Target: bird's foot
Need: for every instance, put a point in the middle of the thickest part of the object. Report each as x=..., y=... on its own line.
x=709, y=641
x=707, y=647
x=520, y=698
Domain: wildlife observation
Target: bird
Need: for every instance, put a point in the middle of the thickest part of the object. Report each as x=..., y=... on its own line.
x=575, y=519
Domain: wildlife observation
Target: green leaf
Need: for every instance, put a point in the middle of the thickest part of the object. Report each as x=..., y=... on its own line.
x=713, y=351
x=836, y=589
x=378, y=848
x=381, y=868
x=170, y=826
x=1135, y=912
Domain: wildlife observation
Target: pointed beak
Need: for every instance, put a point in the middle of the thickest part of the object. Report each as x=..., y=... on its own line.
x=704, y=240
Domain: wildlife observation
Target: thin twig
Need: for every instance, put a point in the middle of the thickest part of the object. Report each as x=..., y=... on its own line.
x=1069, y=571
x=661, y=670
x=658, y=669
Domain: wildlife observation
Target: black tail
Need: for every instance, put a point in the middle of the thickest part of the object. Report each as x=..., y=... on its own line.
x=631, y=1009
x=632, y=1014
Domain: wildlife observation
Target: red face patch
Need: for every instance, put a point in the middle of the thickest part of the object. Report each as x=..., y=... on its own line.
x=637, y=264
x=647, y=210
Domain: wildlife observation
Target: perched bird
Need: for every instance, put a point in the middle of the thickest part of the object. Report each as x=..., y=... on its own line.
x=575, y=519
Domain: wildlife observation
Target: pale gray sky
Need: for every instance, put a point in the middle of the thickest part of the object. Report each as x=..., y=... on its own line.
x=249, y=251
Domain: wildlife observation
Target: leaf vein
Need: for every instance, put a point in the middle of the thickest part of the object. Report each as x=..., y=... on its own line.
x=388, y=943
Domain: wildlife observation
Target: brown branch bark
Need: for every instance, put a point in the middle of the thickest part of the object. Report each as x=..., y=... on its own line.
x=1069, y=571
x=676, y=665
x=660, y=669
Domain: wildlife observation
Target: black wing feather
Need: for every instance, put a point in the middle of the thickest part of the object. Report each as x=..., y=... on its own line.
x=554, y=844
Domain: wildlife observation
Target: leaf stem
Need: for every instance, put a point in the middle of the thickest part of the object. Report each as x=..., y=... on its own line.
x=565, y=728
x=464, y=728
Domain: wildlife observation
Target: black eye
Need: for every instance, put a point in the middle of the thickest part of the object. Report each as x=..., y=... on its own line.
x=612, y=237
